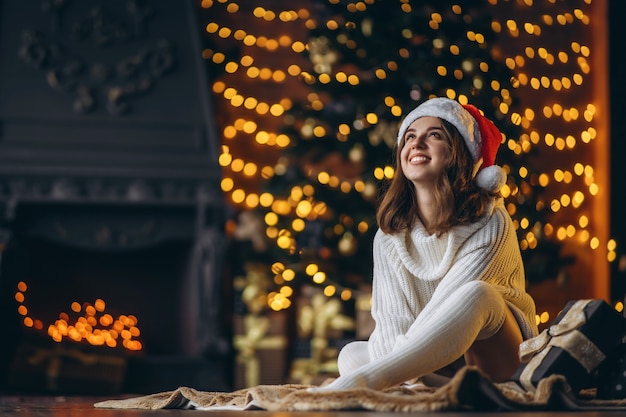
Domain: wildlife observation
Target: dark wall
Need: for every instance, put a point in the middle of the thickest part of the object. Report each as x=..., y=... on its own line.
x=108, y=159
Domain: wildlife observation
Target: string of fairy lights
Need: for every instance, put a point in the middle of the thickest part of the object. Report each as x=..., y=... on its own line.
x=552, y=76
x=533, y=137
x=563, y=70
x=86, y=322
x=573, y=128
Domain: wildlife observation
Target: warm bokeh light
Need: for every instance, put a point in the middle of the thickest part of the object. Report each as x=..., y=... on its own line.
x=94, y=327
x=563, y=128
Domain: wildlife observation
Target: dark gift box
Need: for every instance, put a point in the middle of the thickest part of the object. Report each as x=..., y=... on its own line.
x=261, y=344
x=612, y=375
x=67, y=369
x=574, y=345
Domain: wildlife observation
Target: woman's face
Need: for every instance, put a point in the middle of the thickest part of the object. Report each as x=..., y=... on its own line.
x=425, y=150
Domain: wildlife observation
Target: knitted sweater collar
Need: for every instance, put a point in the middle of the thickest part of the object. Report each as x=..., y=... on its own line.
x=429, y=256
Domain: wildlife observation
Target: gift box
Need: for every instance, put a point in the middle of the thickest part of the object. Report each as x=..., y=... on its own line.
x=574, y=345
x=66, y=369
x=323, y=329
x=261, y=345
x=612, y=375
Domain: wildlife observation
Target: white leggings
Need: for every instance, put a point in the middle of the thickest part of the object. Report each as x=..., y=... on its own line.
x=474, y=311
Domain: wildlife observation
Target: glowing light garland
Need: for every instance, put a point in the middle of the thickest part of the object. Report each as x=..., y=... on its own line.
x=549, y=122
x=87, y=322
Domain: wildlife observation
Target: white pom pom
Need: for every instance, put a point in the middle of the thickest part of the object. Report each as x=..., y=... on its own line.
x=491, y=178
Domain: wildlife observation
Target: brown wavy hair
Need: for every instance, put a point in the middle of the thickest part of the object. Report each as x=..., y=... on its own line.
x=460, y=200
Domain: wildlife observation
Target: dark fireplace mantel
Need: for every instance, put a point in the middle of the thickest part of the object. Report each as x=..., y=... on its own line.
x=107, y=139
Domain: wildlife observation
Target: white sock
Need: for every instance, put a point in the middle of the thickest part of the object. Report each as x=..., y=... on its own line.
x=476, y=310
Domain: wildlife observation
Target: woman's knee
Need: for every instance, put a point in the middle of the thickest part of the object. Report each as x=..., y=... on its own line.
x=352, y=356
x=479, y=290
x=487, y=301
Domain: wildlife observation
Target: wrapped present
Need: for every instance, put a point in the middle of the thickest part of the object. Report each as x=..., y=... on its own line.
x=260, y=334
x=574, y=345
x=67, y=369
x=321, y=328
x=612, y=375
x=261, y=344
x=612, y=372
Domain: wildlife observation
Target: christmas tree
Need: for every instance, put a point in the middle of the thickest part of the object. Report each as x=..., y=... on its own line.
x=373, y=62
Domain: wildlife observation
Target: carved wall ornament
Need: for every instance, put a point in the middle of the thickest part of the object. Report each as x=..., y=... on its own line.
x=114, y=80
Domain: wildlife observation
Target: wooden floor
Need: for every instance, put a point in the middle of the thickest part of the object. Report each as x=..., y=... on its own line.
x=36, y=406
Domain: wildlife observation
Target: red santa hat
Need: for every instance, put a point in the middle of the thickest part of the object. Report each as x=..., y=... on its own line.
x=481, y=136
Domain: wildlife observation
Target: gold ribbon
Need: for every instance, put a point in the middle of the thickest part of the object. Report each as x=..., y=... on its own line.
x=305, y=370
x=564, y=335
x=317, y=319
x=322, y=315
x=249, y=343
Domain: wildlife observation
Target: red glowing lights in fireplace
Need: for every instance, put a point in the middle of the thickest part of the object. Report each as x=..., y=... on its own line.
x=87, y=322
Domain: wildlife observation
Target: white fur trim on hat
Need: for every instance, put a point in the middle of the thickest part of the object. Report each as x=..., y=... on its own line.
x=452, y=112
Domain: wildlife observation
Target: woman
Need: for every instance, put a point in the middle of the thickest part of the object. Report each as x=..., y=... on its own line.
x=448, y=279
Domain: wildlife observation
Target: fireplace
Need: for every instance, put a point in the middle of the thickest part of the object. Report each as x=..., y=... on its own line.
x=111, y=235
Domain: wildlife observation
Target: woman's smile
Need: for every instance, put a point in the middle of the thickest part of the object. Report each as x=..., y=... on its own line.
x=418, y=159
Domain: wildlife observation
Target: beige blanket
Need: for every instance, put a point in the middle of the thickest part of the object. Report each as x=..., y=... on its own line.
x=469, y=390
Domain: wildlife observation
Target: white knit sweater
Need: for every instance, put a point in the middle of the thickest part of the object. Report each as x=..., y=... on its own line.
x=413, y=272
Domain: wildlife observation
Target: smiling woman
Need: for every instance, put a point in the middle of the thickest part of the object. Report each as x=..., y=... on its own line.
x=448, y=275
